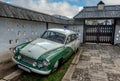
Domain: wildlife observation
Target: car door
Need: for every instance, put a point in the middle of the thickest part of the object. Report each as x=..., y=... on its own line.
x=70, y=42
x=68, y=47
x=73, y=41
x=76, y=42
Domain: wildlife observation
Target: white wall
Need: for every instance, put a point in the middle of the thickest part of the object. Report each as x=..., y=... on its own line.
x=117, y=34
x=78, y=29
x=18, y=31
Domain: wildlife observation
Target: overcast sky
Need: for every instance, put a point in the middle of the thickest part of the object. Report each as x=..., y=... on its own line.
x=67, y=8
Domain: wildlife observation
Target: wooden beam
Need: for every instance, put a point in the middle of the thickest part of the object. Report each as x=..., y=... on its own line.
x=46, y=25
x=12, y=76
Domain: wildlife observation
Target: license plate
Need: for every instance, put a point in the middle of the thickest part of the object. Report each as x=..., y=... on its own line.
x=24, y=68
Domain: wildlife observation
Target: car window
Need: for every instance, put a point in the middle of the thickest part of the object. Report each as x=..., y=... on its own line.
x=68, y=40
x=71, y=38
x=54, y=36
x=75, y=36
x=46, y=35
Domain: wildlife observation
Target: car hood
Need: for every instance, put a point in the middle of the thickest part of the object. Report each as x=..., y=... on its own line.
x=39, y=47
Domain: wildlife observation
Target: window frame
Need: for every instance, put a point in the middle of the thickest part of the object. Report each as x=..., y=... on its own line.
x=71, y=39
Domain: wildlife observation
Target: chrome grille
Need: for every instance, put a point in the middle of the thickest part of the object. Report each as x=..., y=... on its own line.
x=27, y=59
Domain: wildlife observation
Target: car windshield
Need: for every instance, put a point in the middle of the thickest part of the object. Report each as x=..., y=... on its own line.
x=54, y=36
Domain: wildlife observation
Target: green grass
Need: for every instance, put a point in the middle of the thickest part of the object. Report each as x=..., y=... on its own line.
x=55, y=76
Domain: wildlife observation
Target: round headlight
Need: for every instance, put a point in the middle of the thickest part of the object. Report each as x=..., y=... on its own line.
x=46, y=63
x=19, y=57
x=34, y=64
x=40, y=65
x=14, y=50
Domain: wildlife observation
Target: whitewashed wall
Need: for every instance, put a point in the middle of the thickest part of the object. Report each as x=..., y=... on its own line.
x=78, y=29
x=117, y=33
x=14, y=32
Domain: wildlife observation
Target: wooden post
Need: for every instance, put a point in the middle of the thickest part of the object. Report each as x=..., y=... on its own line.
x=114, y=27
x=46, y=25
x=84, y=32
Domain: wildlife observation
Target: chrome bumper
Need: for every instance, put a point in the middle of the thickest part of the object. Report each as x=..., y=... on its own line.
x=32, y=69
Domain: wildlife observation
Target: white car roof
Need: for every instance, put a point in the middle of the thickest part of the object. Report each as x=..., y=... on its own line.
x=63, y=31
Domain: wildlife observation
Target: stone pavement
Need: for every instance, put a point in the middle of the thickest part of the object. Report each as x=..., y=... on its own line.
x=98, y=63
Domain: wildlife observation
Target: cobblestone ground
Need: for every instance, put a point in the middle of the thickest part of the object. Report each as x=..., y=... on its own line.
x=98, y=63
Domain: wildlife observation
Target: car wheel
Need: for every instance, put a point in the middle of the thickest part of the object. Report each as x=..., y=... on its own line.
x=56, y=65
x=76, y=50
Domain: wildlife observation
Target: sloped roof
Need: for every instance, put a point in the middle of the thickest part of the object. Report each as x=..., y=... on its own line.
x=112, y=11
x=11, y=11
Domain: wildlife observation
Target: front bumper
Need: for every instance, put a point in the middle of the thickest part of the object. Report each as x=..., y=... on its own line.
x=32, y=69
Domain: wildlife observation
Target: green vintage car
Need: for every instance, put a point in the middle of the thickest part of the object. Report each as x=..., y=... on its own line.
x=44, y=54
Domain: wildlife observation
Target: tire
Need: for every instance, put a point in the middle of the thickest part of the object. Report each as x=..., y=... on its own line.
x=56, y=65
x=76, y=50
